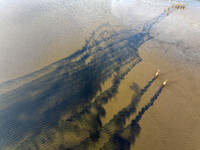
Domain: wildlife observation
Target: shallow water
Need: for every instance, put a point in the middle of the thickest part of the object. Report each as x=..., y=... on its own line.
x=95, y=95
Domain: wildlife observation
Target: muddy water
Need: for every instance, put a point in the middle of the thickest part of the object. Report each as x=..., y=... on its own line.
x=44, y=31
x=69, y=101
x=172, y=122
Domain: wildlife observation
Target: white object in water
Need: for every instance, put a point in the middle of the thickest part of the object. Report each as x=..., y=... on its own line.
x=157, y=73
x=165, y=82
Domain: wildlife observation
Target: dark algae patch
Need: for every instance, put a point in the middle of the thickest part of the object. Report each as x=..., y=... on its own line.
x=113, y=130
x=128, y=134
x=32, y=116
